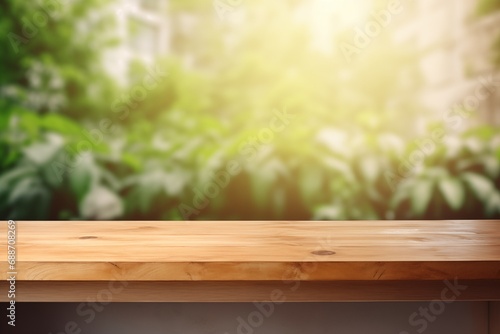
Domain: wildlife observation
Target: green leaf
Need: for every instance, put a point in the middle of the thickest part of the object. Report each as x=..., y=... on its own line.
x=398, y=198
x=335, y=141
x=37, y=199
x=5, y=117
x=60, y=124
x=30, y=123
x=436, y=173
x=480, y=185
x=9, y=177
x=175, y=182
x=341, y=167
x=474, y=145
x=24, y=188
x=368, y=213
x=310, y=183
x=492, y=166
x=101, y=203
x=80, y=181
x=10, y=157
x=146, y=188
x=49, y=176
x=85, y=174
x=107, y=178
x=132, y=161
x=43, y=152
x=487, y=6
x=145, y=197
x=453, y=192
x=483, y=132
x=329, y=212
x=402, y=192
x=421, y=195
x=493, y=204
x=260, y=188
x=370, y=168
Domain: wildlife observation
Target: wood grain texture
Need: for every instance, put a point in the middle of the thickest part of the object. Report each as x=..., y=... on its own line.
x=246, y=261
x=254, y=251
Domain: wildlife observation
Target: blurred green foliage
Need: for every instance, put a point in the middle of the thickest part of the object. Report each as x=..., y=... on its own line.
x=487, y=6
x=259, y=128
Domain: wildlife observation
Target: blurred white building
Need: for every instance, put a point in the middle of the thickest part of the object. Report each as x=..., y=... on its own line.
x=455, y=50
x=453, y=44
x=144, y=29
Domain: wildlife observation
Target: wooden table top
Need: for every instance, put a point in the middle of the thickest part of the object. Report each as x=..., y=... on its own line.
x=254, y=250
